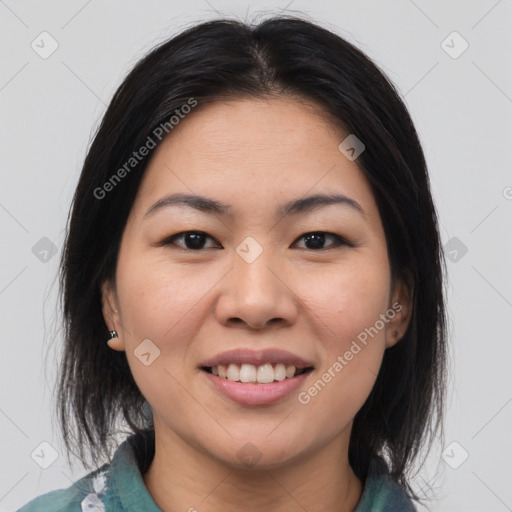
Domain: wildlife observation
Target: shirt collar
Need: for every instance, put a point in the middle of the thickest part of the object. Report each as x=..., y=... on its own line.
x=125, y=476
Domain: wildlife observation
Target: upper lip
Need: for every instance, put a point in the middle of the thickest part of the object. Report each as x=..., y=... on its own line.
x=257, y=358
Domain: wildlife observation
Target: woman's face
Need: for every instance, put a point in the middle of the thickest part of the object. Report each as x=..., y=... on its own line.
x=258, y=287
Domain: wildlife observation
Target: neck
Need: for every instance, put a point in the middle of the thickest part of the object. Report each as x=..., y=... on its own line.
x=183, y=478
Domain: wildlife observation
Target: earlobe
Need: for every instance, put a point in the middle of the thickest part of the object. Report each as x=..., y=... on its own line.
x=401, y=304
x=116, y=344
x=111, y=316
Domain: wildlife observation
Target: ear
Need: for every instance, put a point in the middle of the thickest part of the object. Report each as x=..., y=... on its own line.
x=111, y=315
x=401, y=304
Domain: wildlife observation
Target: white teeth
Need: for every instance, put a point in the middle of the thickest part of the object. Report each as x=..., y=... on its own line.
x=266, y=374
x=280, y=371
x=233, y=372
x=290, y=371
x=263, y=374
x=247, y=373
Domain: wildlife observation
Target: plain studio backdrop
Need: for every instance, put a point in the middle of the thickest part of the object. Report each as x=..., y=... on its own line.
x=62, y=61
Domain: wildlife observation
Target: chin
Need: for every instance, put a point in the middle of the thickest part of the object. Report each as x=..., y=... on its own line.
x=251, y=454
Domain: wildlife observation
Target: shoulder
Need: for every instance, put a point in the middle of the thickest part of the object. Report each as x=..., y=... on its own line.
x=117, y=485
x=82, y=495
x=381, y=493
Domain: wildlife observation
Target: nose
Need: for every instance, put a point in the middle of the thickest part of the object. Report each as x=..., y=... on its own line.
x=257, y=295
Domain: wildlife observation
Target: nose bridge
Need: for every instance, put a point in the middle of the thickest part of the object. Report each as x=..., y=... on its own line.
x=256, y=291
x=256, y=271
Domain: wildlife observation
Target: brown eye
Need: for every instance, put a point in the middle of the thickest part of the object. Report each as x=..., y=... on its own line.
x=315, y=240
x=192, y=240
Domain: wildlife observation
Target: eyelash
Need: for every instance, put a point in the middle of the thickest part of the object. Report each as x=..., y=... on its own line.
x=339, y=240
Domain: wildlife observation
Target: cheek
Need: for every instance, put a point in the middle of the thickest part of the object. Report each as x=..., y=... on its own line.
x=157, y=296
x=166, y=304
x=348, y=301
x=157, y=302
x=346, y=307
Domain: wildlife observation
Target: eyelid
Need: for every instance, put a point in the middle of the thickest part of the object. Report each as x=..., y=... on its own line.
x=339, y=240
x=170, y=239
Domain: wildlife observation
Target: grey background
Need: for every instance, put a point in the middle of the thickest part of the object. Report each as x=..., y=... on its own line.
x=462, y=109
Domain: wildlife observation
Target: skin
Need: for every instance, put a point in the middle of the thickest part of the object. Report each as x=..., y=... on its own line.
x=254, y=155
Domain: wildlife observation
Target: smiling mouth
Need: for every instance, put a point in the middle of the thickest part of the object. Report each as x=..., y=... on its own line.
x=252, y=374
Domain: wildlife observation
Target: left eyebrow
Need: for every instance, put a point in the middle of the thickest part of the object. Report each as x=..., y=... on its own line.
x=294, y=207
x=310, y=203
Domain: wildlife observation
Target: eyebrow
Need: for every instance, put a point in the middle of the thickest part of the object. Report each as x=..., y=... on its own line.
x=294, y=207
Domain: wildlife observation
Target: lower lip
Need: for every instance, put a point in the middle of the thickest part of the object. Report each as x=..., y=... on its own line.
x=256, y=394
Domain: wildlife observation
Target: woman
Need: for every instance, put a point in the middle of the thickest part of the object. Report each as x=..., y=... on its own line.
x=254, y=234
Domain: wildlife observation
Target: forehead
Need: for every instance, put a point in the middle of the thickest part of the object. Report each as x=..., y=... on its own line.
x=252, y=152
x=256, y=124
